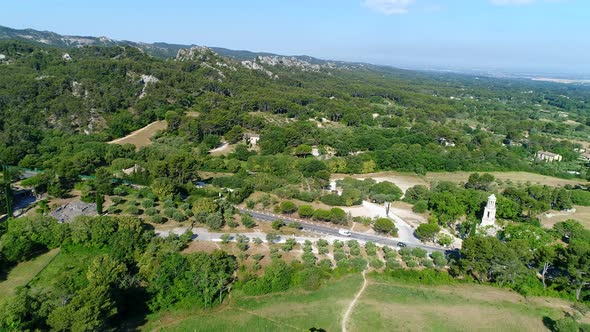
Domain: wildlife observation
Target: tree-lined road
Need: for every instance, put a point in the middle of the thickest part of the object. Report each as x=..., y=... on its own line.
x=327, y=230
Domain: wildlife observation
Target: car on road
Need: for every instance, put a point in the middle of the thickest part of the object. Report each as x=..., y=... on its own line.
x=401, y=244
x=344, y=232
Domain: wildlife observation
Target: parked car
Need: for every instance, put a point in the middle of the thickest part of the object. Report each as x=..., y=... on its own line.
x=401, y=244
x=344, y=232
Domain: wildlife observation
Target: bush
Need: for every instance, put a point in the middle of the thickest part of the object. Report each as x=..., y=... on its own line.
x=169, y=204
x=305, y=211
x=427, y=232
x=178, y=217
x=411, y=263
x=232, y=223
x=333, y=200
x=278, y=224
x=288, y=207
x=289, y=245
x=439, y=259
x=158, y=219
x=371, y=248
x=148, y=203
x=392, y=264
x=132, y=210
x=376, y=263
x=257, y=240
x=420, y=207
x=225, y=238
x=419, y=252
x=117, y=200
x=384, y=225
x=427, y=263
x=119, y=191
x=295, y=225
x=169, y=212
x=272, y=237
x=114, y=209
x=250, y=204
x=151, y=211
x=248, y=221
x=338, y=216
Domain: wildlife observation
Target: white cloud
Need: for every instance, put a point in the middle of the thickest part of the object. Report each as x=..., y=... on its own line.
x=389, y=7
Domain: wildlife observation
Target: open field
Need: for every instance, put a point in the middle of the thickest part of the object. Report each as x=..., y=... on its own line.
x=392, y=306
x=141, y=137
x=407, y=180
x=582, y=215
x=383, y=306
x=24, y=272
x=295, y=310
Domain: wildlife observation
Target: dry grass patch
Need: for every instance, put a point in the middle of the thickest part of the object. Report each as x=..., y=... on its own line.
x=551, y=218
x=142, y=137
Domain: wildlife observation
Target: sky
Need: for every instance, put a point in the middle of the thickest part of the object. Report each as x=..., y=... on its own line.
x=515, y=36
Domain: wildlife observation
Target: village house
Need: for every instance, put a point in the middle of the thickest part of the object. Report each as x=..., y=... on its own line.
x=585, y=156
x=548, y=156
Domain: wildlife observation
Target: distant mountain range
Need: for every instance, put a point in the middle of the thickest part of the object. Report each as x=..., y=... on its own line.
x=159, y=49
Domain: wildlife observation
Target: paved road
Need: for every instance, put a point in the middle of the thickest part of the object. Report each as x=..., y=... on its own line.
x=327, y=230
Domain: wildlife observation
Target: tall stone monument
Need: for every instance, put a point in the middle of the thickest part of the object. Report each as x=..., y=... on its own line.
x=489, y=214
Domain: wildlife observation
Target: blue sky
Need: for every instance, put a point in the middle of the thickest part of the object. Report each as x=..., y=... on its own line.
x=550, y=36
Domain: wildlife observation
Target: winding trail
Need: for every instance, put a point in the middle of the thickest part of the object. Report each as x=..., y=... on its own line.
x=351, y=305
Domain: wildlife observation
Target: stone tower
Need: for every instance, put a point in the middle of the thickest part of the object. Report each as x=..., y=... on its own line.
x=489, y=214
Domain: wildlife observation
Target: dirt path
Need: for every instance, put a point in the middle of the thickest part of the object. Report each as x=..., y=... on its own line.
x=351, y=305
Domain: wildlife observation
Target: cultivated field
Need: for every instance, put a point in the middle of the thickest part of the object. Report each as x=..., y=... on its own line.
x=24, y=272
x=141, y=137
x=383, y=306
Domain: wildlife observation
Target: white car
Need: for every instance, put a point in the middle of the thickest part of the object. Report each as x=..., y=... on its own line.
x=344, y=232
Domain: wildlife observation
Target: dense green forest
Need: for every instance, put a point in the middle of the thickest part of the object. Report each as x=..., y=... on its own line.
x=59, y=108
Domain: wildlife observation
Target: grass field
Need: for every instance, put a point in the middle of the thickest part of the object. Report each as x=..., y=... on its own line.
x=291, y=311
x=407, y=180
x=383, y=306
x=69, y=261
x=24, y=272
x=141, y=137
x=390, y=306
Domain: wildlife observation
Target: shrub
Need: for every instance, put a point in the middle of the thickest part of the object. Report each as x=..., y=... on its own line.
x=427, y=232
x=338, y=216
x=338, y=244
x=169, y=204
x=232, y=223
x=272, y=237
x=158, y=219
x=178, y=216
x=411, y=263
x=384, y=225
x=289, y=244
x=376, y=263
x=305, y=211
x=151, y=211
x=132, y=210
x=119, y=191
x=114, y=209
x=420, y=207
x=371, y=248
x=278, y=224
x=225, y=238
x=288, y=207
x=439, y=259
x=250, y=204
x=169, y=212
x=427, y=263
x=257, y=240
x=419, y=252
x=392, y=264
x=117, y=200
x=333, y=200
x=295, y=225
x=248, y=221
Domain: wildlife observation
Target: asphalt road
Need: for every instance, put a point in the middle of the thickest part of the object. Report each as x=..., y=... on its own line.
x=327, y=230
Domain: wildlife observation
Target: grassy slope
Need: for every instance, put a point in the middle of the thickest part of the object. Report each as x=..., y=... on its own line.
x=24, y=272
x=389, y=306
x=384, y=306
x=295, y=310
